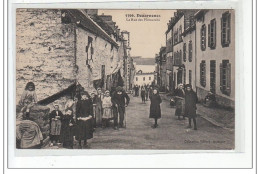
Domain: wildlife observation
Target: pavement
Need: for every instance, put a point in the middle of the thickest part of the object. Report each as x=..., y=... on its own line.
x=172, y=134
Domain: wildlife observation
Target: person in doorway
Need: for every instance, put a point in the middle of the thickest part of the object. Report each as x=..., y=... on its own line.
x=84, y=114
x=143, y=94
x=155, y=109
x=55, y=125
x=190, y=105
x=179, y=94
x=120, y=100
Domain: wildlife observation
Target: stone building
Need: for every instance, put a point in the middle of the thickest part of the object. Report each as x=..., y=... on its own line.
x=215, y=54
x=57, y=48
x=160, y=71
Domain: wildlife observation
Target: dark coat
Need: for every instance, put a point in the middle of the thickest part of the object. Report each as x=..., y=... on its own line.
x=190, y=104
x=143, y=93
x=120, y=99
x=84, y=108
x=155, y=109
x=179, y=93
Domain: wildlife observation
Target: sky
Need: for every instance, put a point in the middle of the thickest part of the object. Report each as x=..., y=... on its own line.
x=146, y=37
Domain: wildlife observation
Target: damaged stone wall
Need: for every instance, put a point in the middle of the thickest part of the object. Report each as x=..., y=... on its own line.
x=45, y=52
x=103, y=54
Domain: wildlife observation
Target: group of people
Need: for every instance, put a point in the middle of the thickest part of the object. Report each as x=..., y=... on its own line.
x=146, y=92
x=81, y=116
x=95, y=110
x=186, y=99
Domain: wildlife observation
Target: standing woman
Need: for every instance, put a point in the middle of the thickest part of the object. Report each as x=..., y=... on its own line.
x=84, y=114
x=143, y=94
x=98, y=107
x=155, y=109
x=179, y=97
x=190, y=105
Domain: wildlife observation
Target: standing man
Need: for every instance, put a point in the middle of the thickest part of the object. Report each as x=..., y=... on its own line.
x=120, y=100
x=98, y=107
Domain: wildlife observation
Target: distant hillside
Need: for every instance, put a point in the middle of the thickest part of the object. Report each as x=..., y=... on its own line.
x=143, y=61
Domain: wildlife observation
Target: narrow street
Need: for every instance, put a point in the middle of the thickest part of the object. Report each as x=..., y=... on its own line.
x=171, y=133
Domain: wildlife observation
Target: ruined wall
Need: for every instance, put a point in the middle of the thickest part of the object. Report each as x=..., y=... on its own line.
x=44, y=51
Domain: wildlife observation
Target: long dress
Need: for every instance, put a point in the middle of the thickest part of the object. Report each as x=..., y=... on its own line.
x=27, y=98
x=155, y=109
x=190, y=104
x=180, y=103
x=66, y=136
x=84, y=109
x=55, y=124
x=107, y=111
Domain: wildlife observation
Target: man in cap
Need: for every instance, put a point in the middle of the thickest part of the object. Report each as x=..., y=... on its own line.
x=120, y=100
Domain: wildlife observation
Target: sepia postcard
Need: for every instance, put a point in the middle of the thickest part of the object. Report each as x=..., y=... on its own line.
x=136, y=79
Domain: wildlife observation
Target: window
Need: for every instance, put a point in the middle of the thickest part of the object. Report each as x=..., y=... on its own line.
x=213, y=76
x=203, y=73
x=150, y=78
x=184, y=52
x=225, y=29
x=203, y=37
x=180, y=33
x=177, y=35
x=212, y=34
x=180, y=56
x=143, y=78
x=190, y=51
x=136, y=79
x=190, y=76
x=225, y=77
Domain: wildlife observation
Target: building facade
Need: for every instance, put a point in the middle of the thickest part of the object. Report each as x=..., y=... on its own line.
x=215, y=53
x=57, y=48
x=142, y=79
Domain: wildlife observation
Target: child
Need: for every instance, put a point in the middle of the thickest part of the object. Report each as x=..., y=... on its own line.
x=55, y=123
x=28, y=98
x=107, y=111
x=66, y=135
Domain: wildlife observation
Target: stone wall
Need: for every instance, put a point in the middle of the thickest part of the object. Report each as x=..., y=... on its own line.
x=44, y=51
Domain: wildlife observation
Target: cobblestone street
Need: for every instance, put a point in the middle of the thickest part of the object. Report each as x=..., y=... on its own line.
x=171, y=133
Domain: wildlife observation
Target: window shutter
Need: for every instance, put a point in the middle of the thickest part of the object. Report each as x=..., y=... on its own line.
x=221, y=76
x=228, y=78
x=214, y=34
x=222, y=37
x=204, y=74
x=209, y=35
x=201, y=80
x=228, y=29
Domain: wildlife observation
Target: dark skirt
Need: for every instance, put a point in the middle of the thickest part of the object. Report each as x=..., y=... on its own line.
x=155, y=111
x=190, y=113
x=66, y=136
x=84, y=130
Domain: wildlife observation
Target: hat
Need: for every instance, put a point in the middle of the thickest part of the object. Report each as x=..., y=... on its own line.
x=98, y=88
x=107, y=91
x=119, y=88
x=188, y=85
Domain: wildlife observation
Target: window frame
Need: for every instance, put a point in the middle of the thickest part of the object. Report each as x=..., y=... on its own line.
x=212, y=34
x=203, y=38
x=226, y=29
x=190, y=51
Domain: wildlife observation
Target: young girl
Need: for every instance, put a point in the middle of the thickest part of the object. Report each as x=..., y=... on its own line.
x=66, y=135
x=55, y=123
x=155, y=109
x=107, y=111
x=28, y=98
